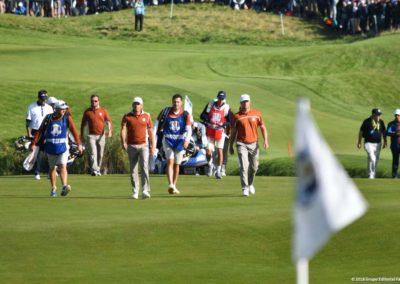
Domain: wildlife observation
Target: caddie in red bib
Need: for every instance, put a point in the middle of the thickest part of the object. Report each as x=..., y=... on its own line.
x=216, y=116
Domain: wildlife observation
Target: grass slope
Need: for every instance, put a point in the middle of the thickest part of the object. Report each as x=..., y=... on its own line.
x=209, y=234
x=206, y=235
x=193, y=23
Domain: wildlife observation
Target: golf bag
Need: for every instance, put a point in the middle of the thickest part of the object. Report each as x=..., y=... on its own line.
x=194, y=160
x=73, y=151
x=23, y=144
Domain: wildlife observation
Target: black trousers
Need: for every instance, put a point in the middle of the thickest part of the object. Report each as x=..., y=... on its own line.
x=395, y=163
x=138, y=22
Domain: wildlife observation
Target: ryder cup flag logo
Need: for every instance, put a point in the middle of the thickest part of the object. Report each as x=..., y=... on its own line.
x=216, y=117
x=326, y=198
x=56, y=130
x=174, y=126
x=307, y=183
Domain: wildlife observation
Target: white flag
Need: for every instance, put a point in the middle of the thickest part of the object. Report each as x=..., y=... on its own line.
x=326, y=198
x=188, y=107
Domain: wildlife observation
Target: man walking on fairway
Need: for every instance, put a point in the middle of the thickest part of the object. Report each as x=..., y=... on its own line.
x=244, y=131
x=138, y=140
x=393, y=130
x=175, y=125
x=372, y=130
x=54, y=129
x=95, y=118
x=216, y=118
x=34, y=117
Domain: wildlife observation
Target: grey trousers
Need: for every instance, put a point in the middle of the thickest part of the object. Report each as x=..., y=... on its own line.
x=248, y=160
x=97, y=144
x=139, y=154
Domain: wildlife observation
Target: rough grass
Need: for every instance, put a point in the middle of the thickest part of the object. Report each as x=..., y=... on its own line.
x=192, y=23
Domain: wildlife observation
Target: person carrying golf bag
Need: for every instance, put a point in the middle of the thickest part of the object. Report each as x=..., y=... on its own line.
x=54, y=129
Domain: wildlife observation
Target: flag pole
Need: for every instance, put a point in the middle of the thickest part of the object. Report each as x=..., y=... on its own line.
x=302, y=271
x=282, y=27
x=172, y=8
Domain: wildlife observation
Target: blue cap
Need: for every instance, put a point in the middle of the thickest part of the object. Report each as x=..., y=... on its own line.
x=42, y=94
x=221, y=95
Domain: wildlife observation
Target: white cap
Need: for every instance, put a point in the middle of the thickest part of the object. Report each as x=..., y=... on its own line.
x=52, y=101
x=61, y=105
x=397, y=111
x=20, y=4
x=137, y=100
x=244, y=97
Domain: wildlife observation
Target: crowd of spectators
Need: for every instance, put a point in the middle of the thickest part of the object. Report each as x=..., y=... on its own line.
x=61, y=8
x=349, y=16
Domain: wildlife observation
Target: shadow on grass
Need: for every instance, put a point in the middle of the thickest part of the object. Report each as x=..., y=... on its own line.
x=121, y=197
x=60, y=197
x=19, y=177
x=200, y=196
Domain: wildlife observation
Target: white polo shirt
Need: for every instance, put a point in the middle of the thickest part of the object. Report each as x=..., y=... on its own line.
x=36, y=113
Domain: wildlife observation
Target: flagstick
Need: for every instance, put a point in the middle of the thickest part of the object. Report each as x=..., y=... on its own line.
x=172, y=8
x=302, y=271
x=283, y=29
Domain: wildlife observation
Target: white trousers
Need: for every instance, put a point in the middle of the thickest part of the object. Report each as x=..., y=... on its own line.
x=373, y=150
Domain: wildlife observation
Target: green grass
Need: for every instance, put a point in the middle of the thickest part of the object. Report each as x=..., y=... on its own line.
x=208, y=234
x=72, y=68
x=71, y=60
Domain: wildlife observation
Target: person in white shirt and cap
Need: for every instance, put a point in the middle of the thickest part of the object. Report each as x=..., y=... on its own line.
x=37, y=111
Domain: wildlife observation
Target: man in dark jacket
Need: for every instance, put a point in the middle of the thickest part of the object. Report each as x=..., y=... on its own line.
x=372, y=130
x=393, y=131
